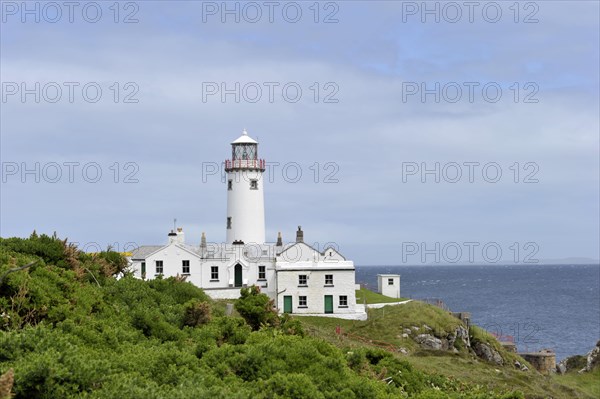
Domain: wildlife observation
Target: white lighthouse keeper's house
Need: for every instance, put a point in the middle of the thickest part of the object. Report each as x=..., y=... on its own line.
x=299, y=278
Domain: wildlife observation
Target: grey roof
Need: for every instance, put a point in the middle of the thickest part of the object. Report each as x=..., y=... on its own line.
x=145, y=250
x=293, y=244
x=192, y=248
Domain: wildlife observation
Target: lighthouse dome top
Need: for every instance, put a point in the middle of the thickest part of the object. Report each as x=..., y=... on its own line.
x=244, y=139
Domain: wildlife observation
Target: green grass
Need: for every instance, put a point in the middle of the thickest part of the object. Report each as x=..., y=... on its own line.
x=589, y=383
x=373, y=297
x=388, y=324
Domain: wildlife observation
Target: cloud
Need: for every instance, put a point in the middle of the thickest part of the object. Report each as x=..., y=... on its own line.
x=364, y=61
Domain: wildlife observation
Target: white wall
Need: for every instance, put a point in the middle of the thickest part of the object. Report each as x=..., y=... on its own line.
x=315, y=291
x=172, y=256
x=281, y=277
x=246, y=207
x=384, y=288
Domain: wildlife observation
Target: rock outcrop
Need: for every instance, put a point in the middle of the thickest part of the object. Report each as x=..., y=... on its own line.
x=571, y=363
x=459, y=338
x=456, y=341
x=580, y=363
x=593, y=358
x=488, y=353
x=428, y=341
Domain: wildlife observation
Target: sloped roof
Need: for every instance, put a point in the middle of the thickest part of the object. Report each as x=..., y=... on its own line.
x=287, y=247
x=244, y=139
x=145, y=250
x=334, y=250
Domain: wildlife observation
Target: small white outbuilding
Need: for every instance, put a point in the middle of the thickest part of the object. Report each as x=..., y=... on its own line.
x=389, y=285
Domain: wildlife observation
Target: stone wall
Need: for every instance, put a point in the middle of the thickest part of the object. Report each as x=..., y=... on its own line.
x=465, y=317
x=543, y=361
x=509, y=346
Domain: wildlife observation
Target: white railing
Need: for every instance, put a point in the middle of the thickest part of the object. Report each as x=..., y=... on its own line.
x=245, y=164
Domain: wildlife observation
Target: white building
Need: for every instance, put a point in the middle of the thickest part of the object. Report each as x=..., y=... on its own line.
x=389, y=285
x=299, y=278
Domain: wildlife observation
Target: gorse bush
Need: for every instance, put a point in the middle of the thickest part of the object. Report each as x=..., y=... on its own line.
x=256, y=308
x=70, y=329
x=197, y=313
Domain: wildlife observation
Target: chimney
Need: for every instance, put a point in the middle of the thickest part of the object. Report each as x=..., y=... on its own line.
x=180, y=236
x=299, y=235
x=279, y=241
x=203, y=245
x=177, y=237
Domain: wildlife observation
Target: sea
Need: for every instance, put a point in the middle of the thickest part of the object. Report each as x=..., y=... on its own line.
x=537, y=306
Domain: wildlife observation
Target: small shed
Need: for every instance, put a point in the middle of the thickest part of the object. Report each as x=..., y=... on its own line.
x=389, y=285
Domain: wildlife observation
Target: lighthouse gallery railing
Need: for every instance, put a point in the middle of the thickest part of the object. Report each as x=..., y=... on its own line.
x=245, y=164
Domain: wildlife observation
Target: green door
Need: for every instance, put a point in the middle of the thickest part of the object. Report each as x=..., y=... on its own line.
x=238, y=275
x=328, y=303
x=287, y=304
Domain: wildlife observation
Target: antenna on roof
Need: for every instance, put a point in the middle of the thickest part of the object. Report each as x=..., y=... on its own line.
x=174, y=224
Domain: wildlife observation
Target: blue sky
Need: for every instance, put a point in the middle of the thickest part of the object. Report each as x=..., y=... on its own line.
x=375, y=131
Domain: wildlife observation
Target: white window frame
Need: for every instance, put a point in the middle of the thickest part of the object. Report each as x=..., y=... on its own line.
x=302, y=277
x=301, y=299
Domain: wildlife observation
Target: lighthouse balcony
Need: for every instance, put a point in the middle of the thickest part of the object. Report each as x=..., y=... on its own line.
x=245, y=164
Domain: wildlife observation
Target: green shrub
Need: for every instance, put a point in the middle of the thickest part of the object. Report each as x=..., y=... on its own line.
x=256, y=308
x=197, y=313
x=72, y=330
x=291, y=326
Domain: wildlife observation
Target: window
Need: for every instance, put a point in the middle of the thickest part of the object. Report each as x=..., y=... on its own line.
x=390, y=281
x=229, y=222
x=262, y=272
x=253, y=184
x=302, y=302
x=143, y=269
x=302, y=280
x=229, y=184
x=214, y=273
x=329, y=279
x=159, y=267
x=343, y=301
x=185, y=266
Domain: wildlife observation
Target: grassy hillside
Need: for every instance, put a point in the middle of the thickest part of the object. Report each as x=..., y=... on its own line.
x=367, y=296
x=385, y=328
x=70, y=329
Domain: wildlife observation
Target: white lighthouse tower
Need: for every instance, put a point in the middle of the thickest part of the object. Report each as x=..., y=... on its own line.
x=245, y=197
